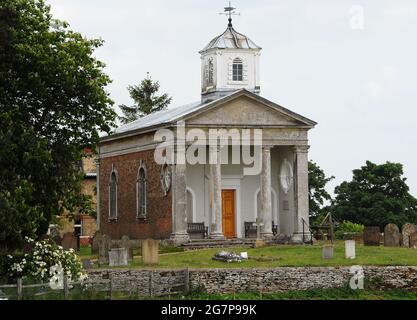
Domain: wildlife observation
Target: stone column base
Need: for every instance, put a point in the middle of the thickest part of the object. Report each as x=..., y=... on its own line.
x=217, y=236
x=179, y=238
x=267, y=235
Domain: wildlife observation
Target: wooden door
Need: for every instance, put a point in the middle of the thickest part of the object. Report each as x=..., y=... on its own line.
x=228, y=213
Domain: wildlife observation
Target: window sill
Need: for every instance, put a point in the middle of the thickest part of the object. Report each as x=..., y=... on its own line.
x=112, y=220
x=141, y=220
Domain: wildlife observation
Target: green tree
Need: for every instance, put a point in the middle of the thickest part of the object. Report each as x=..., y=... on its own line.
x=317, y=193
x=52, y=105
x=146, y=100
x=376, y=196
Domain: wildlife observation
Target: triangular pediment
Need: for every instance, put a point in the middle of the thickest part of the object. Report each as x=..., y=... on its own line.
x=246, y=109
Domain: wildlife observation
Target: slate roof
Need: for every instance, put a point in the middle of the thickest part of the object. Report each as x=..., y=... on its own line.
x=170, y=116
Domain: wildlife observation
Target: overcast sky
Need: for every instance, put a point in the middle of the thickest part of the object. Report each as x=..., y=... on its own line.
x=356, y=78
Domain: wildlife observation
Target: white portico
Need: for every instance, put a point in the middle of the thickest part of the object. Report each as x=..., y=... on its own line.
x=220, y=194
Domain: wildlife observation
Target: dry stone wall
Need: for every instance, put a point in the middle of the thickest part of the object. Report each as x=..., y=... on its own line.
x=266, y=280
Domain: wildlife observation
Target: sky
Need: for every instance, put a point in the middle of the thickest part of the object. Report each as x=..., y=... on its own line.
x=349, y=65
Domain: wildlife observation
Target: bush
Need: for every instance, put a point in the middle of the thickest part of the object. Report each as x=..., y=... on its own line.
x=46, y=261
x=347, y=229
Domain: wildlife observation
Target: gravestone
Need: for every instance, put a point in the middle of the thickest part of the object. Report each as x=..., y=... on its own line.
x=98, y=236
x=69, y=241
x=125, y=243
x=392, y=235
x=407, y=230
x=118, y=257
x=259, y=242
x=57, y=239
x=104, y=247
x=86, y=263
x=150, y=250
x=413, y=240
x=327, y=251
x=350, y=249
x=371, y=236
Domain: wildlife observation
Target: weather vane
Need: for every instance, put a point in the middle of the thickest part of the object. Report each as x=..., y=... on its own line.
x=230, y=11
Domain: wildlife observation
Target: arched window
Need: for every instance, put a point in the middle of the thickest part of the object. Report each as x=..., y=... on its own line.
x=210, y=72
x=237, y=69
x=141, y=192
x=113, y=195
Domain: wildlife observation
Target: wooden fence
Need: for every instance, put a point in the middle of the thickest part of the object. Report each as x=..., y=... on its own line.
x=178, y=286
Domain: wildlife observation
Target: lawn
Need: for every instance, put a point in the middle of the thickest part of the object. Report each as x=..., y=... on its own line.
x=283, y=255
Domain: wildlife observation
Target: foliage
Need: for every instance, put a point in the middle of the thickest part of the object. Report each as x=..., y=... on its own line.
x=53, y=104
x=376, y=196
x=346, y=230
x=146, y=100
x=347, y=226
x=43, y=261
x=317, y=193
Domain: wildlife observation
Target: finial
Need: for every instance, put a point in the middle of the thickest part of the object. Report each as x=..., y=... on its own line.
x=229, y=11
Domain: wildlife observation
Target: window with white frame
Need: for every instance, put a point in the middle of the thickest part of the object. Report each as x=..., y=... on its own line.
x=237, y=69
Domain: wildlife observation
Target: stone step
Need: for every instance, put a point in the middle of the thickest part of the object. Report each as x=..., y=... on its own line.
x=209, y=243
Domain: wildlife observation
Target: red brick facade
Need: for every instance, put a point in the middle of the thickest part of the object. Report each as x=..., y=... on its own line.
x=158, y=224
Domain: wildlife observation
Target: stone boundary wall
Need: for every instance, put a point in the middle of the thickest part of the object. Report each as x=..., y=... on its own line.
x=244, y=280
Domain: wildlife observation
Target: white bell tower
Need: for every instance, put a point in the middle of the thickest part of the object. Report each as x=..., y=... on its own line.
x=228, y=63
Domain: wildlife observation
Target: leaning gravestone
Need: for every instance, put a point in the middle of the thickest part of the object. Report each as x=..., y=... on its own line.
x=327, y=251
x=104, y=247
x=98, y=236
x=392, y=235
x=413, y=240
x=407, y=230
x=69, y=241
x=118, y=257
x=150, y=250
x=371, y=236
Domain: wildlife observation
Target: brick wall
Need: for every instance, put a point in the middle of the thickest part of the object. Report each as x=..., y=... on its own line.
x=159, y=210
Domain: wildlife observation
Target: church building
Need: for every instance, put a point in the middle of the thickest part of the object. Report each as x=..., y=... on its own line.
x=142, y=198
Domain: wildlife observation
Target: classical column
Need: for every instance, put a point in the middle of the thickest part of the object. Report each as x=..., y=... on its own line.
x=265, y=193
x=216, y=231
x=97, y=160
x=301, y=194
x=179, y=198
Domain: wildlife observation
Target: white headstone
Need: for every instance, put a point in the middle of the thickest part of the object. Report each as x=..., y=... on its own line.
x=350, y=249
x=244, y=255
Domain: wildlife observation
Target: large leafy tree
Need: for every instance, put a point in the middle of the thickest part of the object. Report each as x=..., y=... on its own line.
x=146, y=100
x=53, y=104
x=377, y=195
x=318, y=195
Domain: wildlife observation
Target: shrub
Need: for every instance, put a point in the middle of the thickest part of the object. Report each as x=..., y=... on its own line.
x=46, y=261
x=346, y=229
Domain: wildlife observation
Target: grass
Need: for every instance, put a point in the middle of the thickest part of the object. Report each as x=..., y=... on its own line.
x=313, y=294
x=279, y=256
